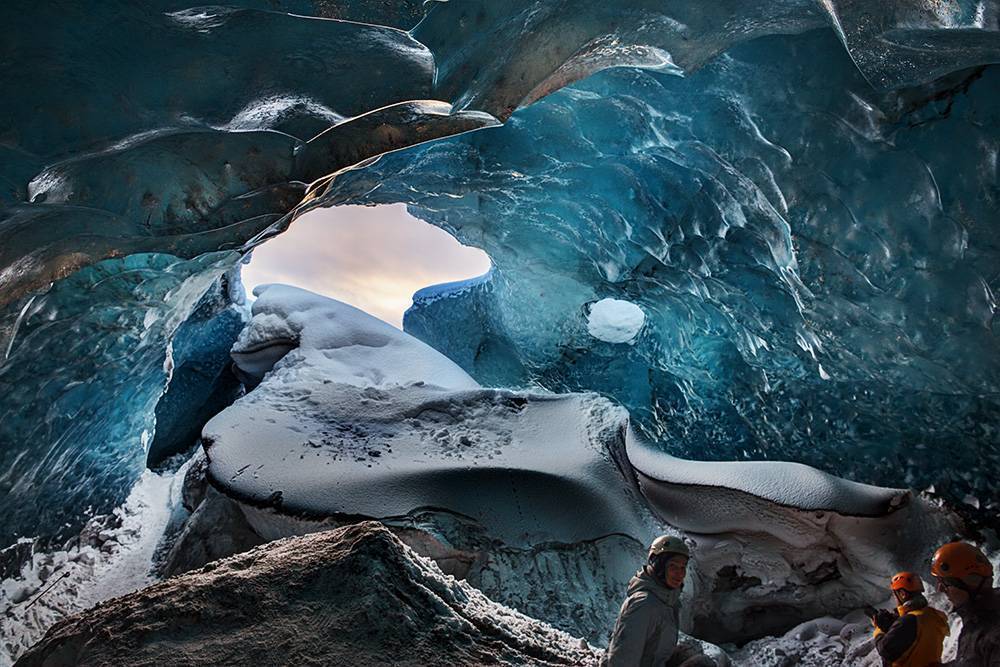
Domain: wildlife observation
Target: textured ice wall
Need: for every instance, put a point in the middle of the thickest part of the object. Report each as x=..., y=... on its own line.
x=167, y=131
x=816, y=258
x=201, y=383
x=80, y=385
x=138, y=164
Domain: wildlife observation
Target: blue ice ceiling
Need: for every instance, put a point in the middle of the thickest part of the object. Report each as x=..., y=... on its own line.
x=817, y=260
x=807, y=216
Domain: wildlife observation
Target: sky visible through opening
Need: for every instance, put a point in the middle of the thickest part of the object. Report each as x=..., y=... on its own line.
x=373, y=258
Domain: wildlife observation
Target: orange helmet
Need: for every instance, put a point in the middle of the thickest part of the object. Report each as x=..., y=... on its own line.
x=907, y=581
x=959, y=559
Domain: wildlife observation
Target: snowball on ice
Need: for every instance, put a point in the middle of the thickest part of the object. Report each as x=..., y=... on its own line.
x=615, y=321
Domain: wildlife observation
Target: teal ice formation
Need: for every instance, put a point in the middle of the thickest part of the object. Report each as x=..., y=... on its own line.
x=801, y=197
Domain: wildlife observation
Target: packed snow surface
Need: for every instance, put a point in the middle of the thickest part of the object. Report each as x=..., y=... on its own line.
x=521, y=492
x=355, y=348
x=789, y=484
x=362, y=419
x=615, y=321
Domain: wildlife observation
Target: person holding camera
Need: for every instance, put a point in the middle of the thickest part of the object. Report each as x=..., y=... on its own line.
x=913, y=635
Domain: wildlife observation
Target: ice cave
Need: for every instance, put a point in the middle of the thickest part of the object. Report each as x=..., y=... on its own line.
x=737, y=285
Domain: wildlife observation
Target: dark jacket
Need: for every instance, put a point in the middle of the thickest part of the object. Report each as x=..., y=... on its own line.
x=646, y=632
x=979, y=643
x=914, y=637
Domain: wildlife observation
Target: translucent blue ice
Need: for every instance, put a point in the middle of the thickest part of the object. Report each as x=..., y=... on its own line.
x=816, y=258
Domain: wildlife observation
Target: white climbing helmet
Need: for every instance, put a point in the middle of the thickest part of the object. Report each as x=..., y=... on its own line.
x=668, y=544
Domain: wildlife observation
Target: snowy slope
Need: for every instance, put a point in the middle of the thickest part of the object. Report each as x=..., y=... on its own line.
x=113, y=556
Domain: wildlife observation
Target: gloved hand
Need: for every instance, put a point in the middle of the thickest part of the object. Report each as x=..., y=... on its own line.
x=883, y=619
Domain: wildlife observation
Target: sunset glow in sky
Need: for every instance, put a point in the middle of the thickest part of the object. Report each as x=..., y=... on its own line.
x=373, y=258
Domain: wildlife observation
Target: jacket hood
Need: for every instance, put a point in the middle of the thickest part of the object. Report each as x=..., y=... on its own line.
x=643, y=581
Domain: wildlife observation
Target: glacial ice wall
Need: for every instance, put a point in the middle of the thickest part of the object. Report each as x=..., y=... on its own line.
x=138, y=166
x=805, y=220
x=816, y=258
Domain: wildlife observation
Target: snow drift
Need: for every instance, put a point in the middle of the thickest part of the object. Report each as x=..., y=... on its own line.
x=519, y=492
x=544, y=502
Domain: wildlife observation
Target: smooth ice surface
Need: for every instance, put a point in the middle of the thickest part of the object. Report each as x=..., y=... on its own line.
x=614, y=320
x=548, y=45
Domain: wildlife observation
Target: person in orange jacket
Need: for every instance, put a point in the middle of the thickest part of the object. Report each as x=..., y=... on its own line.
x=914, y=635
x=965, y=576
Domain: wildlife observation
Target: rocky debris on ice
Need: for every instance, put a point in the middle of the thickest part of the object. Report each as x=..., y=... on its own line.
x=352, y=596
x=520, y=493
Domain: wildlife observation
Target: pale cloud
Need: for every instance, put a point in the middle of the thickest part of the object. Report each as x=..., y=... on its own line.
x=373, y=258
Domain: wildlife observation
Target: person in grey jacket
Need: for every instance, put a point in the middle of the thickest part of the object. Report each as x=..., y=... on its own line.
x=646, y=632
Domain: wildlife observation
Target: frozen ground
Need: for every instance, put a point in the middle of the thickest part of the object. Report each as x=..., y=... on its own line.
x=121, y=560
x=113, y=556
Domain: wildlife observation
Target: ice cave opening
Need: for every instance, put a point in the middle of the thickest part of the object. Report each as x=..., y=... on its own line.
x=372, y=257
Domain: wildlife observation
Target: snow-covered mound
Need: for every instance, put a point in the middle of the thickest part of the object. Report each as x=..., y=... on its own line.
x=792, y=485
x=113, y=555
x=615, y=321
x=782, y=542
x=519, y=492
x=541, y=501
x=354, y=596
x=356, y=348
